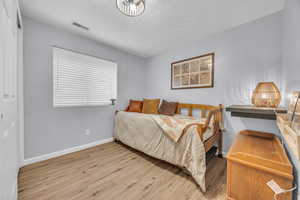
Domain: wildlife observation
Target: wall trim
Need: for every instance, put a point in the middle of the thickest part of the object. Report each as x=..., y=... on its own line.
x=65, y=151
x=14, y=191
x=20, y=94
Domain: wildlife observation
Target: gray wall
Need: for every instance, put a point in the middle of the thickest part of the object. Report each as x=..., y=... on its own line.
x=290, y=54
x=243, y=56
x=49, y=129
x=291, y=45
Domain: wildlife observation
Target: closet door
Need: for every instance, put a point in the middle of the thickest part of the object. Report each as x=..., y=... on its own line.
x=2, y=46
x=10, y=50
x=9, y=154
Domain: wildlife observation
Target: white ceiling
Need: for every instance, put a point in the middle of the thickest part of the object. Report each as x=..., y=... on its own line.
x=164, y=25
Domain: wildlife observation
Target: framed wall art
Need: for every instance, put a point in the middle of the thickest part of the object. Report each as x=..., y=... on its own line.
x=296, y=116
x=197, y=72
x=292, y=105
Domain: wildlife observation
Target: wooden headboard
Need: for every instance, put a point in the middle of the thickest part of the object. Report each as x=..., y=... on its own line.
x=203, y=109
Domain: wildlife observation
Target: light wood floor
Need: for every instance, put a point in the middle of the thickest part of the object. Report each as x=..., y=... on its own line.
x=115, y=172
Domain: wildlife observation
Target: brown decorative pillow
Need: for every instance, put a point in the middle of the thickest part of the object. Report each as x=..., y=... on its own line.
x=150, y=106
x=135, y=106
x=168, y=108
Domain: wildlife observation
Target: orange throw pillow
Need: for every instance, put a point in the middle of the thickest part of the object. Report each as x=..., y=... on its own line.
x=150, y=106
x=135, y=106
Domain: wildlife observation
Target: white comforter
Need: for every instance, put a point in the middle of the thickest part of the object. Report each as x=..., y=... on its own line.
x=141, y=132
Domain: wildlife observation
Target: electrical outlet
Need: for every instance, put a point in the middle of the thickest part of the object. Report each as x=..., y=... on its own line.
x=87, y=132
x=275, y=187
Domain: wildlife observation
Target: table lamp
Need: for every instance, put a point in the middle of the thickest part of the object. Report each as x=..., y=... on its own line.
x=266, y=94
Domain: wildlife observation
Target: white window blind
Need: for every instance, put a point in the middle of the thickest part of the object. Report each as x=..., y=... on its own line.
x=82, y=80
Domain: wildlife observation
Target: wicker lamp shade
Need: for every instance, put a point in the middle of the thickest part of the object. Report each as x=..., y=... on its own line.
x=266, y=94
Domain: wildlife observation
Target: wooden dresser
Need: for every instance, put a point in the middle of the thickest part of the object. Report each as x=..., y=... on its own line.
x=254, y=159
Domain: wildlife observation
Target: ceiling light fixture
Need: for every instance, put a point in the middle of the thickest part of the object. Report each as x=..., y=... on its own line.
x=131, y=8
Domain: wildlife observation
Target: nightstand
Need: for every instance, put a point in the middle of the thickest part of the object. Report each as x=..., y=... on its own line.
x=254, y=159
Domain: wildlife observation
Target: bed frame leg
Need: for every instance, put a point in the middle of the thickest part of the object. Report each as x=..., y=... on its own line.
x=220, y=145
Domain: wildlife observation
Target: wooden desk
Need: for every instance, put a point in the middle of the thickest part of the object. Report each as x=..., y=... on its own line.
x=254, y=159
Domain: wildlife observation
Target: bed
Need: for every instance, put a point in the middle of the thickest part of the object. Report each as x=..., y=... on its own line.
x=142, y=132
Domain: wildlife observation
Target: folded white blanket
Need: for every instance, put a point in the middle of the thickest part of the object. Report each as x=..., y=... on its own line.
x=175, y=126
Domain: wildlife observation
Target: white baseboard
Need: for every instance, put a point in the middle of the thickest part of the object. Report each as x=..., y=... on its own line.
x=65, y=151
x=14, y=193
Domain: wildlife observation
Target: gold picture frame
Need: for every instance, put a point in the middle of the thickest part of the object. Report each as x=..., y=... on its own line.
x=296, y=114
x=196, y=72
x=292, y=105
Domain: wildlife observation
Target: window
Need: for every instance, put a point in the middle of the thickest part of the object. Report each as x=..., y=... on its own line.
x=81, y=80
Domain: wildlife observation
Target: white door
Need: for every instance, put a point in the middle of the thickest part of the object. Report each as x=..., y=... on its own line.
x=8, y=101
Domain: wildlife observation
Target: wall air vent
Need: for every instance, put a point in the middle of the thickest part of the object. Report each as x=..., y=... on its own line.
x=81, y=26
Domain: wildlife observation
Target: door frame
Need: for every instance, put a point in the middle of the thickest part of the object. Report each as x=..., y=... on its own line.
x=20, y=88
